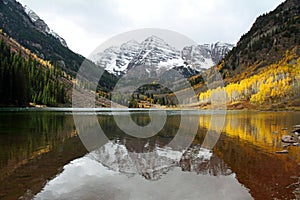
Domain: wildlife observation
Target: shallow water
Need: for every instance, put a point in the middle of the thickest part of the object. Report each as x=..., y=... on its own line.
x=42, y=156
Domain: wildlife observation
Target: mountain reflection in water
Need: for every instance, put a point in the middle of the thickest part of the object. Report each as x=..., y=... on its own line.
x=113, y=172
x=41, y=153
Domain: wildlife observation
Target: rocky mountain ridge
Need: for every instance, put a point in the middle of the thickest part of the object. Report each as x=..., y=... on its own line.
x=154, y=55
x=42, y=26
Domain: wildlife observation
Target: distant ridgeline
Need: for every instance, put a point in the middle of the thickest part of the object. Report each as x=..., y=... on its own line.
x=26, y=79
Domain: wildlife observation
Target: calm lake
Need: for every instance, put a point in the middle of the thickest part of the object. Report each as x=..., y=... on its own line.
x=42, y=156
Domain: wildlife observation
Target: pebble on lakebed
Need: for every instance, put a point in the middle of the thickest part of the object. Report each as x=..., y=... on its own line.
x=290, y=140
x=282, y=152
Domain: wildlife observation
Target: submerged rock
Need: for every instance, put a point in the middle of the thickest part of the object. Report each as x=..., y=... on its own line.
x=296, y=130
x=297, y=133
x=282, y=152
x=286, y=145
x=296, y=126
x=288, y=139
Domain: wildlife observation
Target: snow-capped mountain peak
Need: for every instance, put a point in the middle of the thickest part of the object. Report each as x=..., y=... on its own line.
x=153, y=55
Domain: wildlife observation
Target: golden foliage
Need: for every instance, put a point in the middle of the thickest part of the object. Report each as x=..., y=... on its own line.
x=43, y=62
x=276, y=82
x=256, y=128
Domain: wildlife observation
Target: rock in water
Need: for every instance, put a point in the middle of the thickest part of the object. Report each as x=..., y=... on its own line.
x=286, y=145
x=288, y=139
x=296, y=130
x=297, y=133
x=282, y=152
x=296, y=144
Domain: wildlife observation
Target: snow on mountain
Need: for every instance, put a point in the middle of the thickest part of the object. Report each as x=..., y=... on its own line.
x=89, y=177
x=127, y=52
x=42, y=26
x=107, y=59
x=116, y=59
x=154, y=55
x=206, y=55
x=154, y=164
x=219, y=50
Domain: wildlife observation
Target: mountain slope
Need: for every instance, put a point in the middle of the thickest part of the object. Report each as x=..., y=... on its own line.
x=115, y=59
x=25, y=78
x=17, y=24
x=267, y=41
x=264, y=68
x=42, y=26
x=34, y=34
x=155, y=55
x=152, y=54
x=206, y=55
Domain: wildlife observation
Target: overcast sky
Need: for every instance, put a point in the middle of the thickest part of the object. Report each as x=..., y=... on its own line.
x=85, y=24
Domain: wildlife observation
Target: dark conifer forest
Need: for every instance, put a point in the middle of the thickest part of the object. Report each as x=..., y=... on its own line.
x=26, y=80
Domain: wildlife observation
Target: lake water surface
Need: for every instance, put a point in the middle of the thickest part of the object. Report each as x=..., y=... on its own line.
x=43, y=157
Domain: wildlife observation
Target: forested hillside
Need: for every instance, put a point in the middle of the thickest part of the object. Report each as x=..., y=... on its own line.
x=266, y=42
x=276, y=86
x=262, y=71
x=25, y=78
x=17, y=24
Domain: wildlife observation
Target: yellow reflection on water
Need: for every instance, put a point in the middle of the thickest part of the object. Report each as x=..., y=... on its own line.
x=261, y=129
